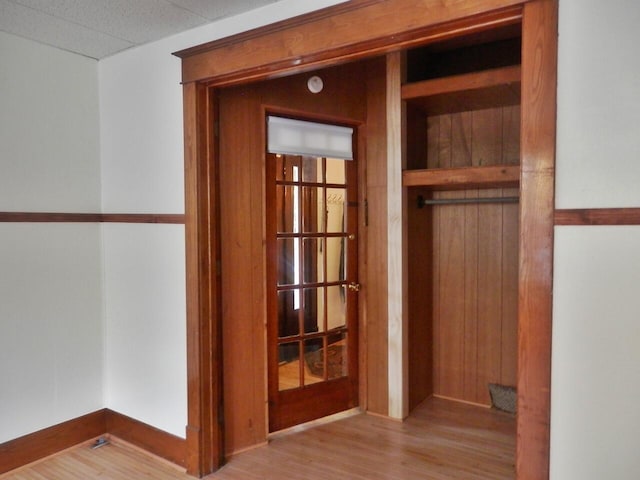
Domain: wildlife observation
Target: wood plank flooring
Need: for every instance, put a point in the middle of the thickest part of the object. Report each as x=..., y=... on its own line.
x=441, y=440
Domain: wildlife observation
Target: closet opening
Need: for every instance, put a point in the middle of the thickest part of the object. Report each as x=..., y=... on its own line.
x=461, y=103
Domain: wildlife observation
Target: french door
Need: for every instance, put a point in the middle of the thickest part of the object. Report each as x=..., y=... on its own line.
x=312, y=289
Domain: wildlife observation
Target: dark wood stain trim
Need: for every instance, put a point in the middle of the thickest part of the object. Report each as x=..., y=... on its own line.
x=288, y=23
x=598, y=216
x=350, y=52
x=55, y=217
x=49, y=441
x=537, y=154
x=34, y=446
x=145, y=436
x=205, y=432
x=207, y=68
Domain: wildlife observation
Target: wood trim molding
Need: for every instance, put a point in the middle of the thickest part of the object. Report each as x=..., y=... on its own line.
x=60, y=217
x=205, y=432
x=389, y=27
x=288, y=23
x=49, y=441
x=537, y=153
x=378, y=27
x=34, y=446
x=150, y=439
x=598, y=216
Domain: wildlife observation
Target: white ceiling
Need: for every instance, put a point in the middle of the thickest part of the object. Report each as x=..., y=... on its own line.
x=99, y=28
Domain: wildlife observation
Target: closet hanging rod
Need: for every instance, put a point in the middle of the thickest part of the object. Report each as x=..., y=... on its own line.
x=452, y=201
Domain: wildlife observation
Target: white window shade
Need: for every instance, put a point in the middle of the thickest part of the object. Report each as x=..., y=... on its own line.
x=298, y=137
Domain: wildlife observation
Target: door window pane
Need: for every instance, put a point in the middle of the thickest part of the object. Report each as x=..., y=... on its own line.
x=313, y=310
x=287, y=212
x=314, y=361
x=336, y=306
x=288, y=317
x=336, y=221
x=313, y=212
x=336, y=171
x=288, y=261
x=289, y=366
x=311, y=170
x=336, y=259
x=313, y=251
x=337, y=359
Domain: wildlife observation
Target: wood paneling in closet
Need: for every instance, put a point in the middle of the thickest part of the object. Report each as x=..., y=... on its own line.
x=471, y=257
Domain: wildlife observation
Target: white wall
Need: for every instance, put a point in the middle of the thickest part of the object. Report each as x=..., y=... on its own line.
x=595, y=419
x=145, y=328
x=598, y=107
x=48, y=129
x=596, y=363
x=50, y=274
x=142, y=172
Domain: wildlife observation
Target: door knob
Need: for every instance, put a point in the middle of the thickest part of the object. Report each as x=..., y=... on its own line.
x=354, y=287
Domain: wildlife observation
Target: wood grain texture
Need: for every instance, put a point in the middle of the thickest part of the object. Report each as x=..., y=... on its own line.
x=388, y=25
x=60, y=217
x=539, y=77
x=205, y=434
x=375, y=236
x=29, y=448
x=396, y=246
x=305, y=46
x=472, y=91
x=440, y=440
x=145, y=436
x=463, y=178
x=597, y=216
x=242, y=227
x=474, y=265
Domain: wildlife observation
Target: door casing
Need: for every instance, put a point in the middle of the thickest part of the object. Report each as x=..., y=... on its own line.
x=391, y=25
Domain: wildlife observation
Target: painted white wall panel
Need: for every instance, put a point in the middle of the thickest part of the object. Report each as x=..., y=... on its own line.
x=145, y=324
x=598, y=107
x=51, y=357
x=141, y=113
x=49, y=144
x=596, y=354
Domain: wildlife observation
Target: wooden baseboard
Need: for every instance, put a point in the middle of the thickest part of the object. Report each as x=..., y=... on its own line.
x=49, y=441
x=148, y=438
x=34, y=446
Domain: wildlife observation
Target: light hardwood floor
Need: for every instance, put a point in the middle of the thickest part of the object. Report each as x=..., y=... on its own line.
x=441, y=440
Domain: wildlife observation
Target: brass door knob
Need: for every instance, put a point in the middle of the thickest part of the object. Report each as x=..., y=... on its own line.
x=354, y=287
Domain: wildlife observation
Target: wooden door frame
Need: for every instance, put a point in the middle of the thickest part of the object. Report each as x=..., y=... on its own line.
x=302, y=43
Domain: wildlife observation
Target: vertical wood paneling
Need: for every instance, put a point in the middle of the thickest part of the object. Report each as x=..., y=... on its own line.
x=474, y=250
x=510, y=248
x=487, y=150
x=375, y=281
x=243, y=266
x=240, y=162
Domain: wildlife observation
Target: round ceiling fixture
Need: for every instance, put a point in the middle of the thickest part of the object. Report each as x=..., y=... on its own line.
x=315, y=84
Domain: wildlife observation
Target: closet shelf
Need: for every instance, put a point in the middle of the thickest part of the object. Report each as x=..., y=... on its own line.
x=497, y=87
x=494, y=176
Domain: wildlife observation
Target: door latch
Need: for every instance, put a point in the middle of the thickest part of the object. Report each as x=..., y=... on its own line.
x=354, y=287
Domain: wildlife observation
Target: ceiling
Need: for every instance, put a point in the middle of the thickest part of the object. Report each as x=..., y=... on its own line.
x=99, y=28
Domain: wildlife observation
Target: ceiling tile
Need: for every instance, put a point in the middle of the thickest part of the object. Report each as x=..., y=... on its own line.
x=217, y=9
x=136, y=21
x=41, y=27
